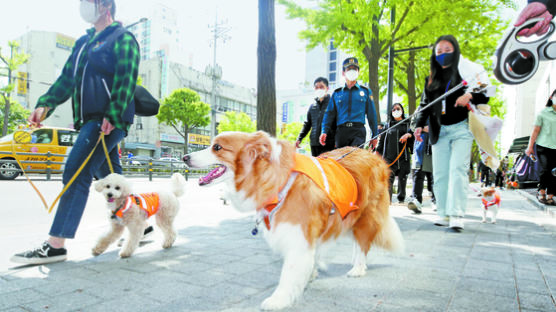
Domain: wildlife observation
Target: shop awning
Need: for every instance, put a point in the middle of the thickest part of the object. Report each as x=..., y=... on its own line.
x=519, y=145
x=145, y=146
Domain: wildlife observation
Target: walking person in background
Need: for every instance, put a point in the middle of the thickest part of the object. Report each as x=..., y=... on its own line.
x=422, y=168
x=100, y=77
x=348, y=107
x=313, y=122
x=449, y=131
x=395, y=147
x=544, y=135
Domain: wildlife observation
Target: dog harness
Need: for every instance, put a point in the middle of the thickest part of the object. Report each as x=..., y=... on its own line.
x=148, y=202
x=329, y=175
x=495, y=201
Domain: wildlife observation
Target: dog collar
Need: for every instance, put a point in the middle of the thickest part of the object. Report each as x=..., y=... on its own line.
x=267, y=213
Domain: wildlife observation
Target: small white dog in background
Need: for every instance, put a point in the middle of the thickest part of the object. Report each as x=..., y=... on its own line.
x=132, y=211
x=491, y=202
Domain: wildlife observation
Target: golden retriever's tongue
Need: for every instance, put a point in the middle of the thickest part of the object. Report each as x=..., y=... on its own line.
x=110, y=200
x=213, y=174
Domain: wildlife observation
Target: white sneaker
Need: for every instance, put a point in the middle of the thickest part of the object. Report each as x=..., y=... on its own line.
x=456, y=223
x=433, y=206
x=441, y=221
x=415, y=206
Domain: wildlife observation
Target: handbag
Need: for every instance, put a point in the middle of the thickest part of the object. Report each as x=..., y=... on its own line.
x=145, y=104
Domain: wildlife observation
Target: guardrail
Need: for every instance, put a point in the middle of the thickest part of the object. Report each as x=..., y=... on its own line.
x=131, y=167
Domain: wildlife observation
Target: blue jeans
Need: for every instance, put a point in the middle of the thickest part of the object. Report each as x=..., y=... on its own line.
x=450, y=163
x=73, y=201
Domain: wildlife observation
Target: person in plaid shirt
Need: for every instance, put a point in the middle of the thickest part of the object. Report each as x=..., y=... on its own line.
x=100, y=77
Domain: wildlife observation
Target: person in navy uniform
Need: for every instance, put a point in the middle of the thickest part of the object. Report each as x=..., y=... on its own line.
x=348, y=105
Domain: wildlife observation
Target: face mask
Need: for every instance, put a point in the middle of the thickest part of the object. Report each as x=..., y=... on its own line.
x=445, y=59
x=89, y=12
x=320, y=93
x=351, y=75
x=397, y=114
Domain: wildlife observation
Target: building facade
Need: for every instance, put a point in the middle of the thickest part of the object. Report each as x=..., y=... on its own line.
x=149, y=138
x=48, y=53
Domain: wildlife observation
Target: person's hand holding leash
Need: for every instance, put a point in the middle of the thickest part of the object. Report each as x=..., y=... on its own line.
x=297, y=143
x=106, y=127
x=464, y=100
x=417, y=134
x=405, y=137
x=533, y=10
x=37, y=116
x=322, y=139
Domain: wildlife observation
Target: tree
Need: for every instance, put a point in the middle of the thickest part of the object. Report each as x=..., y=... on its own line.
x=290, y=133
x=363, y=28
x=18, y=115
x=234, y=121
x=266, y=69
x=184, y=111
x=12, y=63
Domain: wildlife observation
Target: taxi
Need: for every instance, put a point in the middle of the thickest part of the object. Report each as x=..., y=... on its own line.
x=31, y=147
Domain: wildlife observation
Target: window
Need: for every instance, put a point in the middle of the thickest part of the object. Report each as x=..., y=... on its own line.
x=332, y=77
x=332, y=66
x=333, y=56
x=43, y=136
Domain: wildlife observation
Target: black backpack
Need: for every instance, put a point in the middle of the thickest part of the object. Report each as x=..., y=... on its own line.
x=145, y=104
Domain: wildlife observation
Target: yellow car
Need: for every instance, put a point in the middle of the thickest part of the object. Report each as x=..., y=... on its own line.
x=31, y=146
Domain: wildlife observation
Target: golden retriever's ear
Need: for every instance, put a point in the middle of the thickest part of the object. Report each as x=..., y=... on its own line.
x=99, y=185
x=259, y=147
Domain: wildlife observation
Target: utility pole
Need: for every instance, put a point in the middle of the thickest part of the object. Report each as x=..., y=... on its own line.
x=219, y=31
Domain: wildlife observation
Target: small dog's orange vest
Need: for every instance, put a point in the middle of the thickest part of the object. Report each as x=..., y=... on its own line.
x=148, y=202
x=496, y=201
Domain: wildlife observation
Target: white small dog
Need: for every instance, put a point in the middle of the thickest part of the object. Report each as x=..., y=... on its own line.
x=491, y=202
x=132, y=210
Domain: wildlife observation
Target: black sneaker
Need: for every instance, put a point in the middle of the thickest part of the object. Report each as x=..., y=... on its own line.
x=146, y=234
x=41, y=255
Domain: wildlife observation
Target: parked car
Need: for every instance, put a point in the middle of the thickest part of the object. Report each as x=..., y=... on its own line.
x=171, y=161
x=36, y=143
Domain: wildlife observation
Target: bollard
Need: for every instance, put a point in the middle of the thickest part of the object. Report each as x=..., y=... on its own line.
x=150, y=169
x=48, y=166
x=186, y=174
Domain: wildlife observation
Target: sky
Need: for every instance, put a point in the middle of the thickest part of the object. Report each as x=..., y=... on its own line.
x=237, y=56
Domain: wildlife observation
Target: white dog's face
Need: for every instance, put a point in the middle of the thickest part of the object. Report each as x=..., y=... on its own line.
x=113, y=186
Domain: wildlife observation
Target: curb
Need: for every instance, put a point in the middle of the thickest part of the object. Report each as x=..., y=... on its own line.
x=549, y=210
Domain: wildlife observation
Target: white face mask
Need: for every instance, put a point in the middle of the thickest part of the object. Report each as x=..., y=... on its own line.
x=320, y=93
x=89, y=12
x=351, y=75
x=397, y=114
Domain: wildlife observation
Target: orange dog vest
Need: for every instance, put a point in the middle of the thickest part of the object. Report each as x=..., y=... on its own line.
x=330, y=176
x=148, y=202
x=496, y=201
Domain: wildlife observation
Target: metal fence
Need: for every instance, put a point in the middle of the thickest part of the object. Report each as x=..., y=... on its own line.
x=131, y=167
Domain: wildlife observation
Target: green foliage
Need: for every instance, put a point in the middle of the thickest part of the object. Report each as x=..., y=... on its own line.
x=291, y=131
x=364, y=29
x=183, y=110
x=10, y=64
x=234, y=121
x=18, y=115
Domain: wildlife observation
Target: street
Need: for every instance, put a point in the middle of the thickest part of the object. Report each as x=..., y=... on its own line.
x=217, y=265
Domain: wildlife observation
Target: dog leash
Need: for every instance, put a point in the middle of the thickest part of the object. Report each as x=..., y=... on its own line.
x=400, y=154
x=49, y=209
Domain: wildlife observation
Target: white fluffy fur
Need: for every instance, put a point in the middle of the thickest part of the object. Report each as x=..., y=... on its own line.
x=493, y=210
x=115, y=186
x=299, y=259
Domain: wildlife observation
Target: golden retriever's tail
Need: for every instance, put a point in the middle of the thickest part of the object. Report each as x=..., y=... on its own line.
x=177, y=184
x=390, y=238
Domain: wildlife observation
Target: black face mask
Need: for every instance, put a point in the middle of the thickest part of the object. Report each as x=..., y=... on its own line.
x=445, y=59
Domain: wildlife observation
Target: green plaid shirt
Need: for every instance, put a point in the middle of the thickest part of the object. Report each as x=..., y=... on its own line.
x=127, y=54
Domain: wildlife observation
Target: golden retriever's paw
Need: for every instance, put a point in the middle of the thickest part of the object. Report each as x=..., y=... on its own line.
x=125, y=254
x=276, y=302
x=96, y=251
x=357, y=271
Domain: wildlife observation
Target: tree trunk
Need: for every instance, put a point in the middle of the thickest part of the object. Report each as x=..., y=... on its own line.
x=266, y=64
x=185, y=135
x=372, y=54
x=411, y=90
